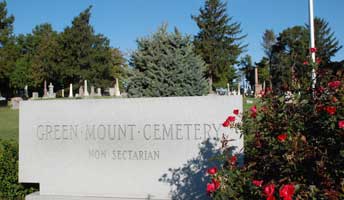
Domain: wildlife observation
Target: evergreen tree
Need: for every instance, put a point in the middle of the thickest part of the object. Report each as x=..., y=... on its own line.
x=165, y=64
x=325, y=41
x=8, y=50
x=288, y=70
x=119, y=68
x=269, y=40
x=218, y=42
x=291, y=51
x=84, y=55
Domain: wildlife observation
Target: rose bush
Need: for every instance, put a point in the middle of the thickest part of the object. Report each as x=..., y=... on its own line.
x=294, y=147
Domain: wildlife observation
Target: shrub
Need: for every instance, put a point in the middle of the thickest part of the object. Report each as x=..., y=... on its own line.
x=294, y=146
x=9, y=186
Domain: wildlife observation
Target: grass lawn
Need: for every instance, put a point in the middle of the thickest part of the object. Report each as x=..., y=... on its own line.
x=9, y=122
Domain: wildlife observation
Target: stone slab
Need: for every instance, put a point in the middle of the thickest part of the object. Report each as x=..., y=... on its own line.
x=121, y=147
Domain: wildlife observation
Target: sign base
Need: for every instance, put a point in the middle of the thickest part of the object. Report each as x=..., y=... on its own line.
x=37, y=196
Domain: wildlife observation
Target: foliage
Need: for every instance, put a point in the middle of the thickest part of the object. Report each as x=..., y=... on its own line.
x=247, y=68
x=84, y=55
x=290, y=55
x=327, y=44
x=9, y=186
x=294, y=145
x=218, y=42
x=165, y=65
x=8, y=50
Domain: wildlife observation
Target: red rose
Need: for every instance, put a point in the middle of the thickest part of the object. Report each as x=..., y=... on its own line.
x=269, y=190
x=282, y=137
x=228, y=121
x=313, y=50
x=341, y=124
x=236, y=111
x=233, y=160
x=211, y=188
x=212, y=170
x=331, y=110
x=271, y=198
x=216, y=183
x=305, y=63
x=287, y=192
x=318, y=60
x=334, y=84
x=225, y=123
x=257, y=183
x=231, y=118
x=253, y=110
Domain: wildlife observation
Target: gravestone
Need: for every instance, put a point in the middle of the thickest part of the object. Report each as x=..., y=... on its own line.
x=70, y=91
x=122, y=148
x=81, y=92
x=35, y=95
x=51, y=93
x=112, y=91
x=15, y=102
x=45, y=90
x=99, y=92
x=117, y=92
x=86, y=94
x=92, y=92
x=26, y=89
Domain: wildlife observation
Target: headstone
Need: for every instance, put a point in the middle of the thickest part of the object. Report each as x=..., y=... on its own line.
x=239, y=89
x=83, y=149
x=51, y=93
x=45, y=90
x=99, y=92
x=228, y=90
x=26, y=89
x=62, y=93
x=86, y=94
x=112, y=92
x=117, y=92
x=35, y=95
x=70, y=91
x=15, y=101
x=81, y=91
x=92, y=92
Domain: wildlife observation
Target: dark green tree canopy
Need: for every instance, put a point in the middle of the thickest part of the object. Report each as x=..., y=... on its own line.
x=165, y=65
x=291, y=52
x=325, y=40
x=218, y=42
x=8, y=50
x=84, y=55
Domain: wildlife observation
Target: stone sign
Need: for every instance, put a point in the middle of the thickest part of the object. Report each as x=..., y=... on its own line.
x=118, y=147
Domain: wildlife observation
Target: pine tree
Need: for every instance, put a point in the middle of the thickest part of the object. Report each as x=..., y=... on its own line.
x=165, y=64
x=218, y=42
x=8, y=50
x=84, y=55
x=325, y=41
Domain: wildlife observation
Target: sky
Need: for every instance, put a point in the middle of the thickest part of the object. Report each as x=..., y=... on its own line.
x=124, y=21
